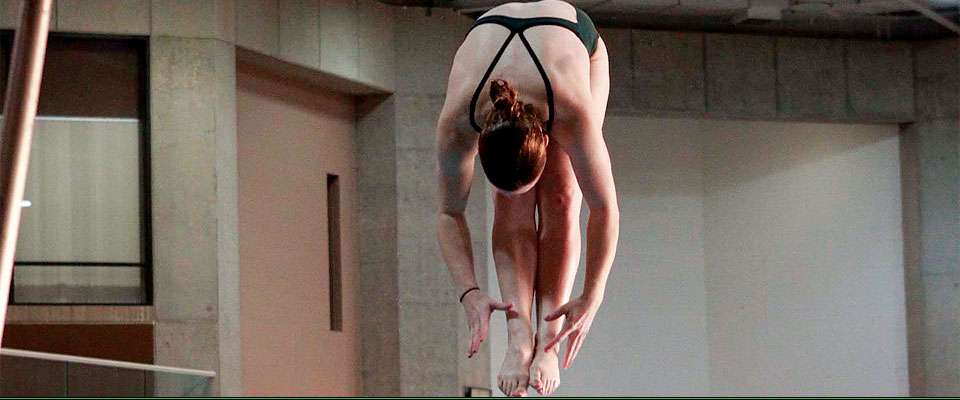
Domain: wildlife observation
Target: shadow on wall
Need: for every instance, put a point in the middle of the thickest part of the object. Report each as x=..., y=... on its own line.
x=734, y=150
x=648, y=164
x=291, y=92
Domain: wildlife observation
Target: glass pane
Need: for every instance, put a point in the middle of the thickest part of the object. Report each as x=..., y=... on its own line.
x=78, y=284
x=83, y=189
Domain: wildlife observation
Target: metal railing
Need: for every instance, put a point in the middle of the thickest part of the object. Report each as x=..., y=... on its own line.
x=26, y=373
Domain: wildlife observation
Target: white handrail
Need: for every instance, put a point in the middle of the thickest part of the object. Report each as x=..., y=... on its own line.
x=104, y=363
x=80, y=118
x=84, y=119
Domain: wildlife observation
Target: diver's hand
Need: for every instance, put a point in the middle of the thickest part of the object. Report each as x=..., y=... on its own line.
x=478, y=307
x=579, y=314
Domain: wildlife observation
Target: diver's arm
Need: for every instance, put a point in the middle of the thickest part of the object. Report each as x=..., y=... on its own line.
x=579, y=134
x=455, y=163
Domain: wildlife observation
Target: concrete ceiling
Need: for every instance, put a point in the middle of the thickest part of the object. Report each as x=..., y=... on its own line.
x=720, y=8
x=838, y=18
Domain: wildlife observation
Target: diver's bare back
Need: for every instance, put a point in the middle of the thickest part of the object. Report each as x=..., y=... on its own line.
x=560, y=52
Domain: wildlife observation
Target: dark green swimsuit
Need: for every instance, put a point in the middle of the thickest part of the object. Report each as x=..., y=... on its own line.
x=583, y=28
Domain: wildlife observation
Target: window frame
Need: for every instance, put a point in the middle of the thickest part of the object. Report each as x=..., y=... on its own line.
x=142, y=48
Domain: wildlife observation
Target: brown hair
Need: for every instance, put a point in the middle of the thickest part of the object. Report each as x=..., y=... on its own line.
x=513, y=146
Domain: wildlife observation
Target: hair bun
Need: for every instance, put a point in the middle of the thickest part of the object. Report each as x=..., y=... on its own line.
x=502, y=103
x=503, y=95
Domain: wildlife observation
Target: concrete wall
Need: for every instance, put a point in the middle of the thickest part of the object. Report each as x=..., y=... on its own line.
x=433, y=331
x=804, y=260
x=377, y=218
x=289, y=139
x=414, y=305
x=932, y=220
x=728, y=76
x=349, y=39
x=193, y=156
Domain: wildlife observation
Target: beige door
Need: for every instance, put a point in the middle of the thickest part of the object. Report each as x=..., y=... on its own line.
x=295, y=146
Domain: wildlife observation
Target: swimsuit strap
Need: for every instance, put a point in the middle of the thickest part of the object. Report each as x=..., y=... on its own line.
x=546, y=82
x=543, y=74
x=516, y=27
x=476, y=94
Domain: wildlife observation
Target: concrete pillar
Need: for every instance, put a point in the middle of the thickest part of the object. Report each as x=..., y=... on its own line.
x=433, y=332
x=377, y=212
x=415, y=334
x=194, y=172
x=931, y=174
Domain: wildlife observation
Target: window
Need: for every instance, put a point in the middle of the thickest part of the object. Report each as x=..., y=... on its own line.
x=84, y=231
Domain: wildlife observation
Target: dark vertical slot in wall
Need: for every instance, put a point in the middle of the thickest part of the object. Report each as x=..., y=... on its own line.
x=6, y=46
x=333, y=227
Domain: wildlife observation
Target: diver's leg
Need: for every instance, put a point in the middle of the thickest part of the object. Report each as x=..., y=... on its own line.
x=515, y=256
x=558, y=202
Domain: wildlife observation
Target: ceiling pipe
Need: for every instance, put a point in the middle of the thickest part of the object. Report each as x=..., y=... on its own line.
x=474, y=10
x=932, y=15
x=761, y=11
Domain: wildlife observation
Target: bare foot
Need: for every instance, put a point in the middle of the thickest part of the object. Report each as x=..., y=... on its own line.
x=514, y=373
x=545, y=370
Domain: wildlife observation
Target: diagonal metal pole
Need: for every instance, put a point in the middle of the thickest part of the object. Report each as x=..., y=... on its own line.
x=23, y=90
x=932, y=15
